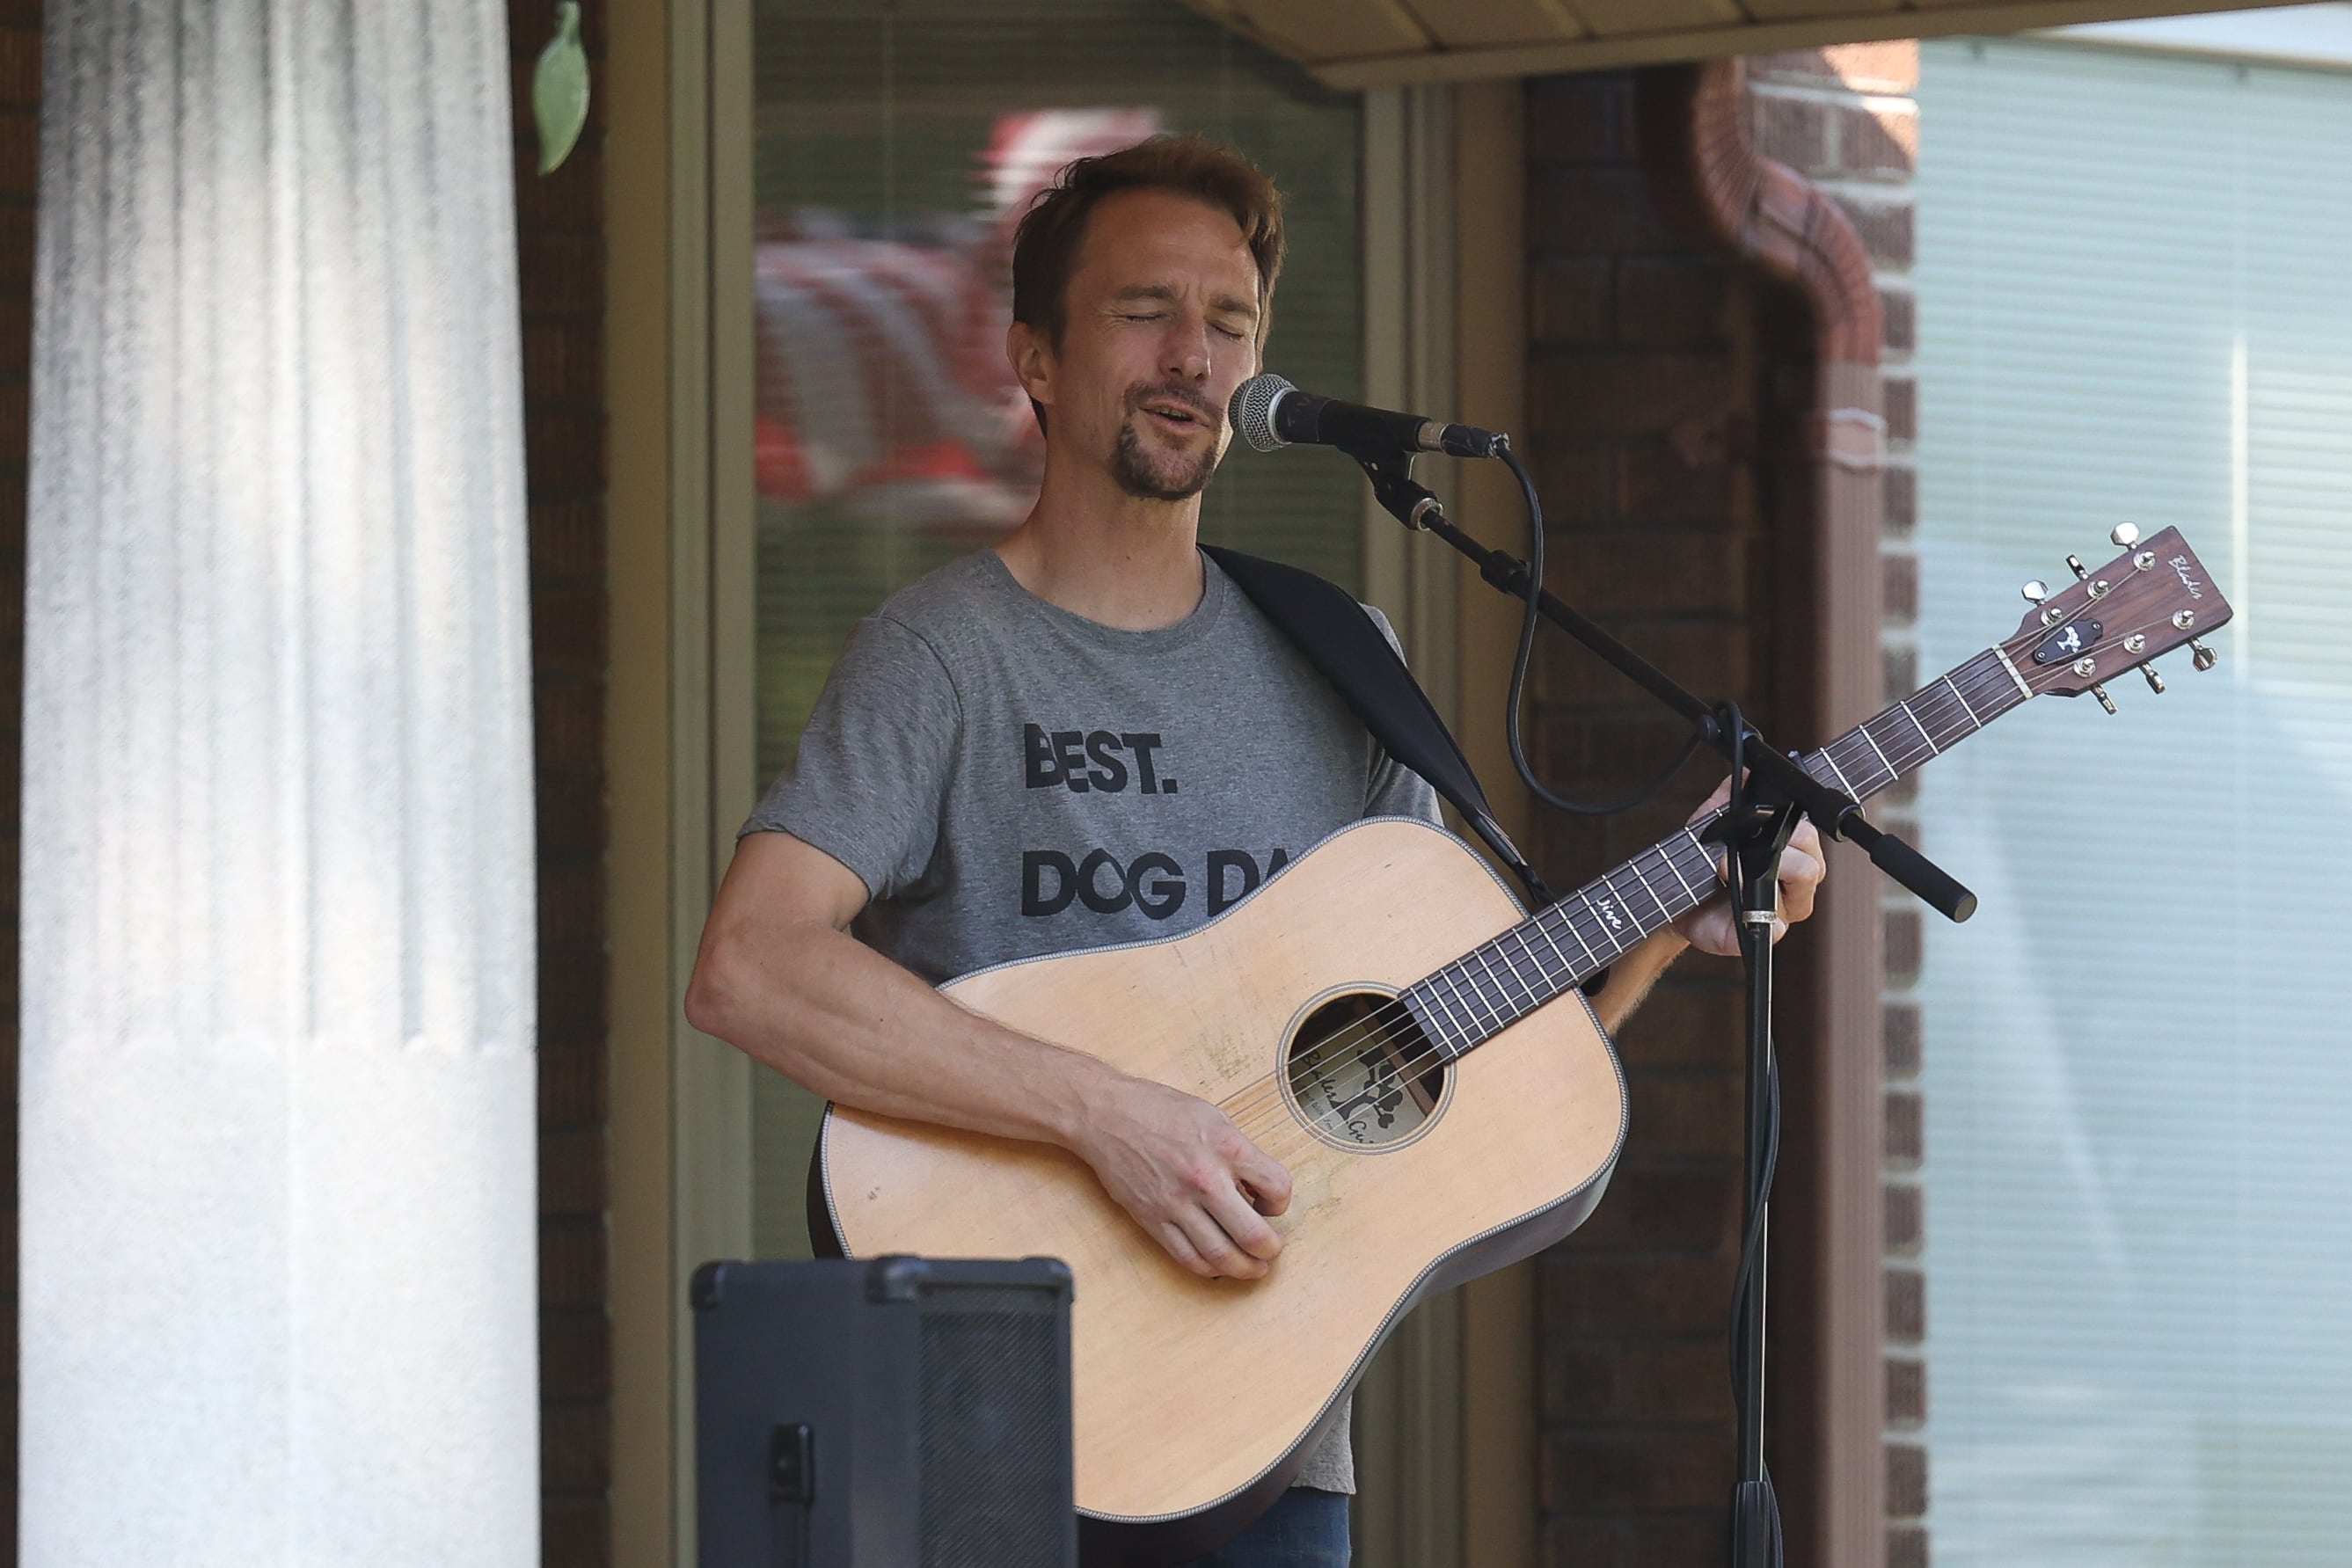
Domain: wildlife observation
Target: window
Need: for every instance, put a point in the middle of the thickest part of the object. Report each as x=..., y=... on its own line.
x=2132, y=306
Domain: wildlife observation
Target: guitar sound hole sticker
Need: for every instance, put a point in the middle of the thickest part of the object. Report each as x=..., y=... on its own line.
x=2067, y=643
x=1362, y=1073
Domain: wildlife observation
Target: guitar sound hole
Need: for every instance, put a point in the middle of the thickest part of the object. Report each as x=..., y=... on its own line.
x=1362, y=1073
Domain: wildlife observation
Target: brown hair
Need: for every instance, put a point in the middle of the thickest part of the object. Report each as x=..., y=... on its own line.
x=1046, y=245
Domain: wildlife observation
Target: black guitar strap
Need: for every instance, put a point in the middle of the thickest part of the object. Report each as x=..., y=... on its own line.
x=1326, y=624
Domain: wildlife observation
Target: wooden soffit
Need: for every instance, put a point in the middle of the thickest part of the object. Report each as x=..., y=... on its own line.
x=1386, y=43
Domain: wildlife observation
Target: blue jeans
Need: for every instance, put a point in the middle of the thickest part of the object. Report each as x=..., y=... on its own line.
x=1306, y=1529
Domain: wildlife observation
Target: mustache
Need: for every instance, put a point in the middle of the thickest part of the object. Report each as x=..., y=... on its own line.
x=1176, y=393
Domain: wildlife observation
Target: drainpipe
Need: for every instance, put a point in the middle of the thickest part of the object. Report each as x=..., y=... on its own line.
x=1828, y=1393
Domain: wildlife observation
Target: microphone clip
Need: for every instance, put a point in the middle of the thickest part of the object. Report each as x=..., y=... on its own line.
x=1399, y=494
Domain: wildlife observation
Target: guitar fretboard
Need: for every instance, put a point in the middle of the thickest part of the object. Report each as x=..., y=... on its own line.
x=1494, y=985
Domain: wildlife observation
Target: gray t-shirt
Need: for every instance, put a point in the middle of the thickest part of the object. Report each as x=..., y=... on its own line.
x=1011, y=779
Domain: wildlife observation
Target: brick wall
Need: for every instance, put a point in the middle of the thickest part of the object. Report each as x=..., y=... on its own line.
x=20, y=122
x=560, y=235
x=1847, y=119
x=1646, y=393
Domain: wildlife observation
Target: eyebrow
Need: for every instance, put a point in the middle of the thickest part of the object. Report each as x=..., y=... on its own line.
x=1225, y=303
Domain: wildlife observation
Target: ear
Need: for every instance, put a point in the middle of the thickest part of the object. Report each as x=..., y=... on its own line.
x=1030, y=353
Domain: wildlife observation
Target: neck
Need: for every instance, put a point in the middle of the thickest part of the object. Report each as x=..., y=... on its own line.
x=1493, y=985
x=1092, y=550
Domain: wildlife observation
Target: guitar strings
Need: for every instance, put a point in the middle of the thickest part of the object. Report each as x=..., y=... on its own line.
x=1356, y=1046
x=1261, y=1109
x=1377, y=1034
x=1408, y=1063
x=1393, y=1022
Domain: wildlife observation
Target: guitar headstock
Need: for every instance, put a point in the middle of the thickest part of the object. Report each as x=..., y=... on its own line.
x=2146, y=601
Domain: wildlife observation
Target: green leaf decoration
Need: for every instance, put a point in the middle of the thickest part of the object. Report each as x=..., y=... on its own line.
x=559, y=88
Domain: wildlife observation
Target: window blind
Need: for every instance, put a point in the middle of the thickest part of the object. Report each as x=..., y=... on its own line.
x=2133, y=305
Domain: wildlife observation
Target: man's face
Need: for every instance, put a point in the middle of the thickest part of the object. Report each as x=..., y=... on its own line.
x=1161, y=320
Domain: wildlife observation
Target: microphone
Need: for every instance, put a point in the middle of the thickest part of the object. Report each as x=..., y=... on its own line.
x=1270, y=412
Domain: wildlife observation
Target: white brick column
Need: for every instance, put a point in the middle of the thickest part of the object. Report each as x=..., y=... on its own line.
x=279, y=1279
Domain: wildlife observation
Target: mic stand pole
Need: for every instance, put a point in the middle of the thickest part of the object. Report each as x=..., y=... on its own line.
x=1768, y=792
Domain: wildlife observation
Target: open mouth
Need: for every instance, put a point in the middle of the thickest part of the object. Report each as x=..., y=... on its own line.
x=1175, y=416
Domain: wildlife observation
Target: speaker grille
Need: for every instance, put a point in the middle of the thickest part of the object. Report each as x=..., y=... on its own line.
x=995, y=1465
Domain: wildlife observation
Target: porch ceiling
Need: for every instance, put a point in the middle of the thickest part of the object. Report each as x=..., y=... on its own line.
x=1383, y=43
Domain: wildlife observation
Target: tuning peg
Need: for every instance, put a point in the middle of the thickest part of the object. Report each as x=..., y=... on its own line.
x=2206, y=658
x=2074, y=564
x=2035, y=591
x=2154, y=681
x=2124, y=534
x=2106, y=701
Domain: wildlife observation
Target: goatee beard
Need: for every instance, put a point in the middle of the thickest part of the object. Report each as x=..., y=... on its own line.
x=1133, y=473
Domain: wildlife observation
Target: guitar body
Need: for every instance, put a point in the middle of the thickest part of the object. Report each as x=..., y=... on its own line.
x=1197, y=1400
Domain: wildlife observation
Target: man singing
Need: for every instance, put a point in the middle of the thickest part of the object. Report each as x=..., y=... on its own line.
x=1085, y=736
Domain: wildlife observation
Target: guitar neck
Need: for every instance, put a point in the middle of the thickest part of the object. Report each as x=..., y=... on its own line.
x=1494, y=985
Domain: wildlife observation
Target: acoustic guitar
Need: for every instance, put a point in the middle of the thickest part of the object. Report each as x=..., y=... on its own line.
x=1380, y=1018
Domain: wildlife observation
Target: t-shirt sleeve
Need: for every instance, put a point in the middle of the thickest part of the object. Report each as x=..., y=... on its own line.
x=870, y=777
x=1394, y=789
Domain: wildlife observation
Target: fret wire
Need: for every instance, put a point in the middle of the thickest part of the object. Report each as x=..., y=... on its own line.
x=1903, y=708
x=1474, y=997
x=1707, y=859
x=1985, y=696
x=1465, y=988
x=1617, y=899
x=1543, y=967
x=1707, y=871
x=1846, y=773
x=1517, y=933
x=1872, y=740
x=1498, y=945
x=1568, y=908
x=1505, y=1009
x=1482, y=980
x=1543, y=924
x=2023, y=691
x=1452, y=1018
x=1913, y=756
x=1843, y=782
x=1943, y=716
x=1567, y=965
x=1455, y=1028
x=1967, y=713
x=1416, y=1006
x=1496, y=952
x=1688, y=888
x=1677, y=891
x=1635, y=865
x=1514, y=1009
x=1907, y=750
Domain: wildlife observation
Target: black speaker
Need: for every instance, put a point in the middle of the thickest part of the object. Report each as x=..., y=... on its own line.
x=886, y=1412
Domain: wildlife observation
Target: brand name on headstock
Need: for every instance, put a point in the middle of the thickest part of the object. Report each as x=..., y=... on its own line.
x=2180, y=565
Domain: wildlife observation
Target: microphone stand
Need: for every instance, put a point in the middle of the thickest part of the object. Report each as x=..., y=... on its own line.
x=1768, y=792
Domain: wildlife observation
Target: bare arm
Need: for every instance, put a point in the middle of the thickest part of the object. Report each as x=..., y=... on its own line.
x=779, y=976
x=1710, y=927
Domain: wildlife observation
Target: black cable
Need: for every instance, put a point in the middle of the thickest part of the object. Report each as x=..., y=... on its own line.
x=1516, y=701
x=1750, y=1234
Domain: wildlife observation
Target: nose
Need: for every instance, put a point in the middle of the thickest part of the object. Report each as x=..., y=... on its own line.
x=1186, y=352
